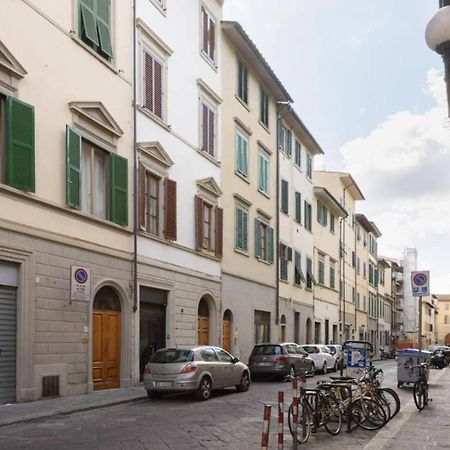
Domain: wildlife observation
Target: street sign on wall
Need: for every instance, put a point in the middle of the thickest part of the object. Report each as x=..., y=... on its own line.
x=80, y=283
x=420, y=283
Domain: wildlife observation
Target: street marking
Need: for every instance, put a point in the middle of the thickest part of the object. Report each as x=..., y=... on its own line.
x=379, y=441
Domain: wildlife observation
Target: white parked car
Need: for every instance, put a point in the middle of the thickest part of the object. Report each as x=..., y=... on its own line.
x=322, y=357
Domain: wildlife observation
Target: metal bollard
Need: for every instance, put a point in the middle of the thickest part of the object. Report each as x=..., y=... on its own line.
x=266, y=427
x=280, y=420
x=295, y=412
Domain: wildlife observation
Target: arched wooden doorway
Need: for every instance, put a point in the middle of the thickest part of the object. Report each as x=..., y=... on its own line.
x=203, y=323
x=447, y=339
x=283, y=328
x=226, y=330
x=106, y=341
x=308, y=330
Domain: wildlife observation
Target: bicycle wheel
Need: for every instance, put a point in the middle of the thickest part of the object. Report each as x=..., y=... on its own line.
x=384, y=404
x=331, y=414
x=304, y=424
x=420, y=394
x=392, y=398
x=368, y=414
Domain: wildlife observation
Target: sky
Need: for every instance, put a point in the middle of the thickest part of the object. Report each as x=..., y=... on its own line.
x=372, y=94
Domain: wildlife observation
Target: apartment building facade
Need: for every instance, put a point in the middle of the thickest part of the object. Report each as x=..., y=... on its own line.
x=385, y=298
x=179, y=154
x=429, y=316
x=443, y=318
x=66, y=164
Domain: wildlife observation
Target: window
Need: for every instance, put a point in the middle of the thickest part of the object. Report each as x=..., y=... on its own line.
x=298, y=207
x=308, y=166
x=242, y=87
x=241, y=227
x=241, y=154
x=298, y=153
x=284, y=196
x=263, y=171
x=17, y=153
x=224, y=356
x=353, y=294
x=364, y=270
x=208, y=129
x=332, y=274
x=263, y=241
x=285, y=139
x=353, y=259
x=322, y=214
x=97, y=180
x=310, y=280
x=358, y=265
x=95, y=26
x=208, y=35
x=321, y=268
x=332, y=227
x=208, y=226
x=288, y=146
x=154, y=74
x=446, y=319
x=161, y=4
x=299, y=277
x=285, y=256
x=262, y=327
x=308, y=216
x=264, y=108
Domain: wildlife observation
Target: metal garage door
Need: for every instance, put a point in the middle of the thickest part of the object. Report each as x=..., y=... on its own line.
x=7, y=344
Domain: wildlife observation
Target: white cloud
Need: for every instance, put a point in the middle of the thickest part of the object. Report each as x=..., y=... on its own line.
x=403, y=167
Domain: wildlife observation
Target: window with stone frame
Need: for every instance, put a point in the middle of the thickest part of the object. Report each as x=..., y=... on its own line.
x=208, y=127
x=154, y=83
x=264, y=236
x=241, y=228
x=208, y=35
x=285, y=257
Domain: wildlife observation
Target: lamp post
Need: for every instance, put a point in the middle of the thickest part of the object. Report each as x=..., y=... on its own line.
x=437, y=36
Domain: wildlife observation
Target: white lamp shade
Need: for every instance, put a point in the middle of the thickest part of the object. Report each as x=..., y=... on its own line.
x=438, y=28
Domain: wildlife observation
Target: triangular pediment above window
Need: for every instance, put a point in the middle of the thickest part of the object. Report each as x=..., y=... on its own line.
x=96, y=115
x=9, y=63
x=155, y=151
x=210, y=186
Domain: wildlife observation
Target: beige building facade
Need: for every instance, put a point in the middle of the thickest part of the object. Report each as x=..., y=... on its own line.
x=443, y=318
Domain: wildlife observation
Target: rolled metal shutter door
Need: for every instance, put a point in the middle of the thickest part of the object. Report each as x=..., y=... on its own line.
x=8, y=311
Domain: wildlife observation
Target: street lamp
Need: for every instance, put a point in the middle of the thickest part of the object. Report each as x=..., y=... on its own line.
x=437, y=36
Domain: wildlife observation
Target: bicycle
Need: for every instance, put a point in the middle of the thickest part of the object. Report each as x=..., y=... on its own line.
x=420, y=391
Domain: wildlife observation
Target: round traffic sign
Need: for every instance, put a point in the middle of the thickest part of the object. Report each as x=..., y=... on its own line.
x=420, y=279
x=81, y=276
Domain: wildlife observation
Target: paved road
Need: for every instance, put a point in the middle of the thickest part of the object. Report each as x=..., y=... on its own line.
x=229, y=420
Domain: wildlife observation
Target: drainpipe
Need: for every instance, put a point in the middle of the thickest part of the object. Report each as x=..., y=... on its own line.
x=135, y=166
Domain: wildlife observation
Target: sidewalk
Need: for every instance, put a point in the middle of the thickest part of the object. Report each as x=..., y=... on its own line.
x=24, y=412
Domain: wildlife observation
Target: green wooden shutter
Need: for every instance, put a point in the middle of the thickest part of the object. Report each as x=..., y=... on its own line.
x=73, y=163
x=20, y=145
x=104, y=26
x=298, y=207
x=245, y=230
x=270, y=243
x=245, y=156
x=118, y=199
x=257, y=238
x=238, y=152
x=284, y=197
x=238, y=228
x=261, y=183
x=88, y=28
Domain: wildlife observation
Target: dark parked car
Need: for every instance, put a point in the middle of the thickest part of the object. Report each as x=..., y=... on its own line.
x=438, y=359
x=279, y=360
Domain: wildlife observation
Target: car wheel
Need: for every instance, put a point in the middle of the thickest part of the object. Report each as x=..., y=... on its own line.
x=204, y=390
x=324, y=367
x=154, y=395
x=244, y=384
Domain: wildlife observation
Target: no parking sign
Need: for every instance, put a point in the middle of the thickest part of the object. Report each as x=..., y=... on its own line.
x=420, y=283
x=80, y=283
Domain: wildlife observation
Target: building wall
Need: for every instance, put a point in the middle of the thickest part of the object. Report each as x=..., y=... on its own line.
x=443, y=318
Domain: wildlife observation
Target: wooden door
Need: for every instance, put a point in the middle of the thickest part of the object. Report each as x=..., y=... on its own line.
x=106, y=350
x=226, y=330
x=203, y=330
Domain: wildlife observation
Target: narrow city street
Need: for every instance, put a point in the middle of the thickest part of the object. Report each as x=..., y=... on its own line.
x=229, y=420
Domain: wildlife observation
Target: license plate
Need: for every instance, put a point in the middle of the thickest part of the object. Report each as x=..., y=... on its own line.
x=163, y=384
x=265, y=364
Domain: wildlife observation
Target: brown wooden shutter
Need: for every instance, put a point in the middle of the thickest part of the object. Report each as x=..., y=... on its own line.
x=170, y=229
x=148, y=82
x=204, y=128
x=141, y=196
x=158, y=90
x=198, y=223
x=211, y=123
x=205, y=30
x=212, y=39
x=219, y=232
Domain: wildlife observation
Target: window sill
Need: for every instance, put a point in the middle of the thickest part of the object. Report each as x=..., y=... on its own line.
x=286, y=213
x=242, y=177
x=264, y=261
x=266, y=128
x=210, y=62
x=308, y=289
x=298, y=285
x=154, y=117
x=299, y=168
x=245, y=105
x=162, y=10
x=241, y=252
x=94, y=54
x=208, y=157
x=283, y=281
x=298, y=223
x=264, y=193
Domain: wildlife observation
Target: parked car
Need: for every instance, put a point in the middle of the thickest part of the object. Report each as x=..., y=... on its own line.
x=336, y=350
x=197, y=369
x=438, y=359
x=279, y=360
x=442, y=348
x=322, y=357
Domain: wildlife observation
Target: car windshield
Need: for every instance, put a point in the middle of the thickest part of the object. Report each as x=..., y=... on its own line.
x=310, y=348
x=267, y=350
x=172, y=356
x=332, y=350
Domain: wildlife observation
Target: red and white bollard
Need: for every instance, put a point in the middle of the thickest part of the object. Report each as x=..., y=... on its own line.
x=280, y=420
x=266, y=427
x=295, y=412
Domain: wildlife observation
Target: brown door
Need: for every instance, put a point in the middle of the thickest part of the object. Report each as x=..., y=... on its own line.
x=203, y=330
x=106, y=350
x=227, y=335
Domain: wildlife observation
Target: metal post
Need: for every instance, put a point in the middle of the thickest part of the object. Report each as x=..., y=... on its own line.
x=280, y=420
x=420, y=327
x=295, y=412
x=266, y=427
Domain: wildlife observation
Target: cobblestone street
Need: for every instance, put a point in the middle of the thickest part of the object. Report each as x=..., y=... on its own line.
x=228, y=421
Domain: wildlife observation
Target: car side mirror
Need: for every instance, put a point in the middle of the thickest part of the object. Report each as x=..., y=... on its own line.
x=235, y=360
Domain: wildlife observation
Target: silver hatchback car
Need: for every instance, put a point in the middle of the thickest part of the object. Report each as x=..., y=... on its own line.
x=197, y=369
